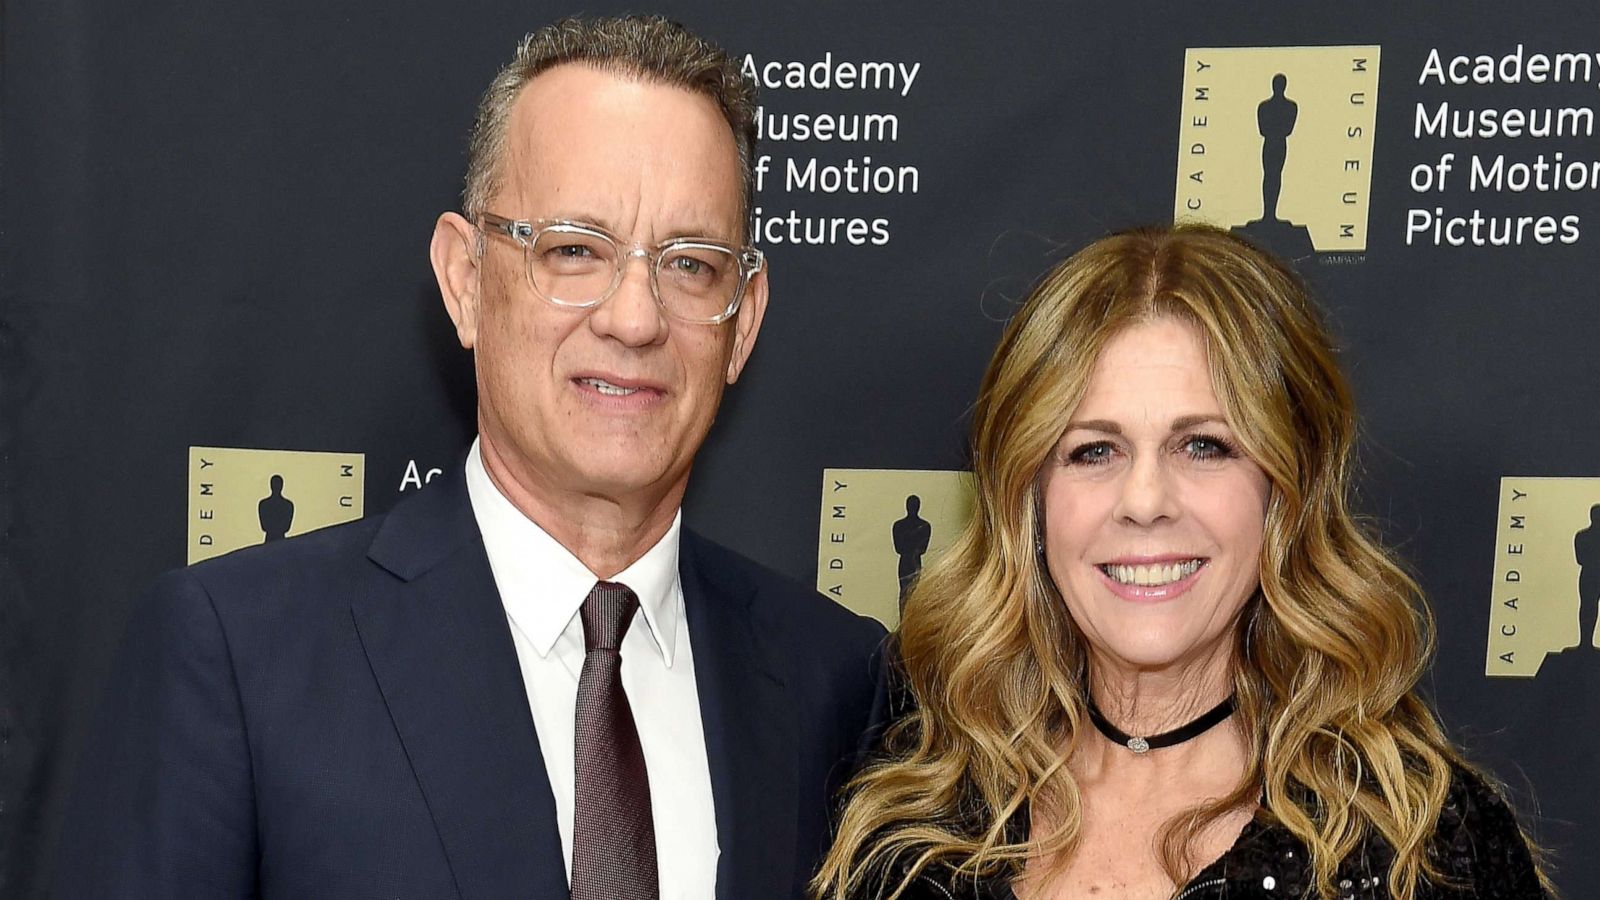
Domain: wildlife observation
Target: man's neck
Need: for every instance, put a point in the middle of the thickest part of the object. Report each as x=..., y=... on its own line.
x=606, y=534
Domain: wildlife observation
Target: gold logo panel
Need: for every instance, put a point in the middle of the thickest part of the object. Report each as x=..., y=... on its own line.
x=1276, y=144
x=240, y=497
x=1546, y=593
x=880, y=528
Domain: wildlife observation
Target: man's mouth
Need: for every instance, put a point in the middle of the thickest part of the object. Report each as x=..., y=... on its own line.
x=1153, y=575
x=607, y=388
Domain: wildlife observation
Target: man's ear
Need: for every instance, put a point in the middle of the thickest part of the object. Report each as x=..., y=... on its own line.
x=748, y=322
x=454, y=254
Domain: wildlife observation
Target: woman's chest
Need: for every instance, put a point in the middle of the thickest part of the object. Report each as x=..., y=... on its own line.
x=1122, y=856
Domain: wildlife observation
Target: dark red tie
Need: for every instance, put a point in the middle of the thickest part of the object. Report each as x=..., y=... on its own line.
x=613, y=834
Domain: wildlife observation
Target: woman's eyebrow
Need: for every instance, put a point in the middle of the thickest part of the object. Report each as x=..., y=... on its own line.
x=1105, y=425
x=1181, y=423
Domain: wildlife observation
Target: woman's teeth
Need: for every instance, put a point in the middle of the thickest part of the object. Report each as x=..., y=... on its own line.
x=1153, y=576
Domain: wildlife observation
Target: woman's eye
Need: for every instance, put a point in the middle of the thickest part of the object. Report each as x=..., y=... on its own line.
x=1094, y=454
x=1202, y=446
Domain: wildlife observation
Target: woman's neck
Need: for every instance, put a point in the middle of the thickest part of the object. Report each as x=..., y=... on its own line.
x=1150, y=701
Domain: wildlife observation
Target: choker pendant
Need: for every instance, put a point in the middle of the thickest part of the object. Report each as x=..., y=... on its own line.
x=1144, y=744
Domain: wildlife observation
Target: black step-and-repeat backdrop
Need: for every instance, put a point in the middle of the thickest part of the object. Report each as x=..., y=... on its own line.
x=219, y=324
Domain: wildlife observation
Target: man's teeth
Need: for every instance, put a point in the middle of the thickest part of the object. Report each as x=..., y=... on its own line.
x=1153, y=576
x=609, y=389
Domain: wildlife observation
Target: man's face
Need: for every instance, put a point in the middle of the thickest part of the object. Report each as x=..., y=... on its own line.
x=648, y=163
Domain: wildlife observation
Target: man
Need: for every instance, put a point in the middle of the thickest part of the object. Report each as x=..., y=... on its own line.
x=528, y=680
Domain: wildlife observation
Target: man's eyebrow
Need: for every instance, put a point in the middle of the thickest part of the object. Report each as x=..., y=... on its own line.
x=709, y=234
x=1182, y=423
x=571, y=215
x=694, y=228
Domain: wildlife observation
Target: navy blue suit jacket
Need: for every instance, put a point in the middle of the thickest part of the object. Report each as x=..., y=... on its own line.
x=342, y=715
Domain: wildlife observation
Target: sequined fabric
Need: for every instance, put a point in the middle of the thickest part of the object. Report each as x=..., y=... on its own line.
x=1477, y=846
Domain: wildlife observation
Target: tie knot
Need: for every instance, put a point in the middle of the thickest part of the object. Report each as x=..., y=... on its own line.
x=606, y=613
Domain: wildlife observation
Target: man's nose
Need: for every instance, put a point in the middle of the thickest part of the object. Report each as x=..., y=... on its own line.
x=631, y=314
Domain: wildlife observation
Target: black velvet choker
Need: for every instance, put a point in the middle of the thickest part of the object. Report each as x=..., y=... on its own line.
x=1204, y=723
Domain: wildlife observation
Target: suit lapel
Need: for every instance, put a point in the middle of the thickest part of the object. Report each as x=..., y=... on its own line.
x=749, y=727
x=442, y=653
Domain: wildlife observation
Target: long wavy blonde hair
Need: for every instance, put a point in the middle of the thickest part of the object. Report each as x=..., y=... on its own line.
x=1330, y=648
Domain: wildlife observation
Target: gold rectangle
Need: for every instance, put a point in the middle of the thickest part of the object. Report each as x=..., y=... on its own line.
x=872, y=523
x=1325, y=116
x=239, y=496
x=1547, y=533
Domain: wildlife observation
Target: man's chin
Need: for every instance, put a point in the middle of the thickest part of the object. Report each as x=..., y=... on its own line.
x=613, y=468
x=620, y=485
x=621, y=477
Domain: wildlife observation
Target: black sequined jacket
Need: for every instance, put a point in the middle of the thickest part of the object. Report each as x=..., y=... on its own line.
x=1477, y=846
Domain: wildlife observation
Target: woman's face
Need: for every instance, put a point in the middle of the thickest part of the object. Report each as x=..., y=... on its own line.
x=1153, y=516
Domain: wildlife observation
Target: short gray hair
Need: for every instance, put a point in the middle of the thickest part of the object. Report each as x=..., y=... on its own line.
x=647, y=47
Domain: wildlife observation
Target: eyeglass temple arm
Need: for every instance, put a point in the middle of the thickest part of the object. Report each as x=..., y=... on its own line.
x=506, y=226
x=754, y=260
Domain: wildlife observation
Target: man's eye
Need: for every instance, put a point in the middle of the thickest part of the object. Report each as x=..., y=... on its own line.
x=571, y=251
x=694, y=266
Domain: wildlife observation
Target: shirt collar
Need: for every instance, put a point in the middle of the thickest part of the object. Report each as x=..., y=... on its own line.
x=543, y=585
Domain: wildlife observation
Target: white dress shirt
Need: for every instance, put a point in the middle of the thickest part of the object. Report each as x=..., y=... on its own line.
x=543, y=586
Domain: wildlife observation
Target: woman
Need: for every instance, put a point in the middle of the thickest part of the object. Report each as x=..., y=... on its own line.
x=1164, y=660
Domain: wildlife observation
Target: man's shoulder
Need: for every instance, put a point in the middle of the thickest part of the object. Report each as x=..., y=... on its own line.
x=268, y=605
x=314, y=557
x=798, y=609
x=418, y=532
x=297, y=585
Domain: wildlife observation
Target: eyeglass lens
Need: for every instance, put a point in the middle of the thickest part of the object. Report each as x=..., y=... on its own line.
x=695, y=281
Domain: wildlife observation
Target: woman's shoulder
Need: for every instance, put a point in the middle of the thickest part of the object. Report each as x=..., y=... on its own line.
x=1477, y=849
x=1479, y=844
x=1476, y=846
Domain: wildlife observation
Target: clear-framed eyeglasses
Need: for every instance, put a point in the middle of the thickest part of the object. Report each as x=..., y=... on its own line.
x=577, y=265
